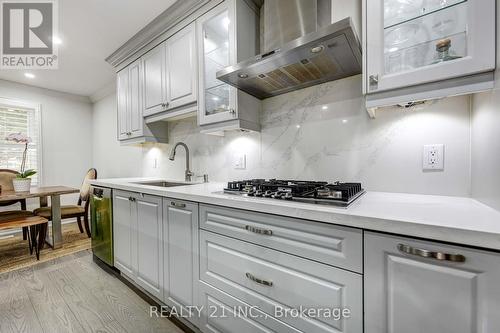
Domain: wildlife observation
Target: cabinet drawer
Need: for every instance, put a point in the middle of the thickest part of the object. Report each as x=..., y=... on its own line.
x=273, y=280
x=329, y=244
x=223, y=313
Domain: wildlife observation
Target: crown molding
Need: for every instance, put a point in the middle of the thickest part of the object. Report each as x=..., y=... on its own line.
x=152, y=33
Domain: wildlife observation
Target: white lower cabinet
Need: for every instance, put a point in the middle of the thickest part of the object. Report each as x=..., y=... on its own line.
x=329, y=244
x=137, y=221
x=277, y=284
x=124, y=217
x=253, y=282
x=406, y=291
x=225, y=313
x=149, y=244
x=180, y=253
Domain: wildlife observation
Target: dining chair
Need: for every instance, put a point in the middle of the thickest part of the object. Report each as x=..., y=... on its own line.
x=6, y=177
x=78, y=211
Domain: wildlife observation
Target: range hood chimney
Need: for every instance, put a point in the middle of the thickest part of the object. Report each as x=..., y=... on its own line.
x=300, y=48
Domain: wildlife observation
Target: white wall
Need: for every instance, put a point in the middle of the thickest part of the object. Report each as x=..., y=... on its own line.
x=301, y=140
x=111, y=159
x=66, y=133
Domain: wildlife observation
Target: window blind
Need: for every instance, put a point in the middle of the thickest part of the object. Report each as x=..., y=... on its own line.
x=19, y=120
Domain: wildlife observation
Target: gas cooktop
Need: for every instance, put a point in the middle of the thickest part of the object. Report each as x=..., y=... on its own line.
x=317, y=192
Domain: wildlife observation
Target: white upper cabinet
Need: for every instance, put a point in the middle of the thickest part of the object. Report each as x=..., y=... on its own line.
x=130, y=107
x=122, y=104
x=218, y=47
x=218, y=102
x=154, y=85
x=171, y=74
x=135, y=100
x=129, y=102
x=412, y=43
x=182, y=68
x=415, y=286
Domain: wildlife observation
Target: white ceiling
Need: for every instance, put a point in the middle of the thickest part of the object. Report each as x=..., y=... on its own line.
x=90, y=31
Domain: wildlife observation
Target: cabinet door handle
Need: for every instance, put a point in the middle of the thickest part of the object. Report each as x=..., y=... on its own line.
x=259, y=230
x=178, y=205
x=259, y=281
x=373, y=81
x=407, y=249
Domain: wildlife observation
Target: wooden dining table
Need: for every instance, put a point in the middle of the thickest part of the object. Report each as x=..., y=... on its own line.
x=54, y=236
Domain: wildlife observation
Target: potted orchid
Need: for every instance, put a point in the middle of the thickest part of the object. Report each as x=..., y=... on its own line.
x=22, y=182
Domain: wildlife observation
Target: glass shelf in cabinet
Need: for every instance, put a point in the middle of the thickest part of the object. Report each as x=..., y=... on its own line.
x=402, y=18
x=423, y=54
x=436, y=26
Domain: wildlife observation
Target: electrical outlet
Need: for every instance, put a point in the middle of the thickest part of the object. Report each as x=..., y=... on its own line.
x=240, y=161
x=433, y=157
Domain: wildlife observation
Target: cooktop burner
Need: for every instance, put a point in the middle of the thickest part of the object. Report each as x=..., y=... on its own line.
x=339, y=194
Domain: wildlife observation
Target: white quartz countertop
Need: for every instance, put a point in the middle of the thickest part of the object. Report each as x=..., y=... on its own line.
x=451, y=219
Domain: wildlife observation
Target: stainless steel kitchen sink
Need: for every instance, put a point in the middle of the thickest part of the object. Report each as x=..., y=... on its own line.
x=164, y=183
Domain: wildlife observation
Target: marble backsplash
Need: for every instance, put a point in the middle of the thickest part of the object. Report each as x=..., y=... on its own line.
x=324, y=133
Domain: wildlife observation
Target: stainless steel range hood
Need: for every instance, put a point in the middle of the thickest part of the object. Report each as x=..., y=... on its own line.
x=327, y=53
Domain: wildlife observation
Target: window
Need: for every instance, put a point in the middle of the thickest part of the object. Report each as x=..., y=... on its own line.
x=20, y=118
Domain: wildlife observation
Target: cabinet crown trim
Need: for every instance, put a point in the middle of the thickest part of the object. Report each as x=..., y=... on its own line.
x=167, y=20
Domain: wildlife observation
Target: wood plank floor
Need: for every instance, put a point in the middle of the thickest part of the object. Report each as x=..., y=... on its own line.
x=73, y=294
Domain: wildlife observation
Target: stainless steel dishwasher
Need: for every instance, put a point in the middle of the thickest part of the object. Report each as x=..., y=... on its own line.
x=101, y=213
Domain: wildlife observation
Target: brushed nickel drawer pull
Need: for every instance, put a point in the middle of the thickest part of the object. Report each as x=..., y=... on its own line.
x=259, y=230
x=259, y=281
x=178, y=205
x=407, y=249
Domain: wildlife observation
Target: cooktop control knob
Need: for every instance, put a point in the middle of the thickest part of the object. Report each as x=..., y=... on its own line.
x=277, y=195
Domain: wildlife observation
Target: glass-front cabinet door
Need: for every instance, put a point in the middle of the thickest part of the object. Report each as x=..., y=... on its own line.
x=217, y=99
x=410, y=42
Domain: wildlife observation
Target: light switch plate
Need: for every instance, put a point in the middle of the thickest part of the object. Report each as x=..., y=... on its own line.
x=240, y=161
x=433, y=157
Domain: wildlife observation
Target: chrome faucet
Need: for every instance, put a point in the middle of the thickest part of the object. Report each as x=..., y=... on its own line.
x=188, y=174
